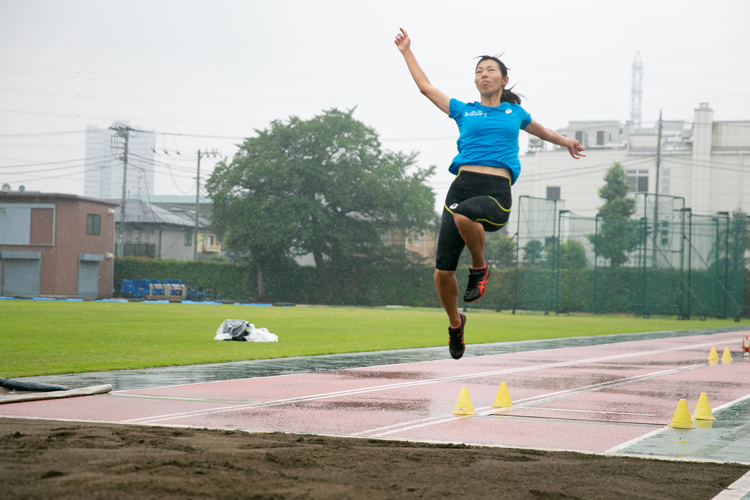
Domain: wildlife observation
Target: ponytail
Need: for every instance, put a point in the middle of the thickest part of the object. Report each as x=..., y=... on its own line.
x=511, y=97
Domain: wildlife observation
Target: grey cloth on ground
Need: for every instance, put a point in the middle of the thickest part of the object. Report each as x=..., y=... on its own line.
x=17, y=385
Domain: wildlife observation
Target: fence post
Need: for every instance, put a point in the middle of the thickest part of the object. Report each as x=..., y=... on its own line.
x=690, y=261
x=726, y=265
x=559, y=279
x=596, y=266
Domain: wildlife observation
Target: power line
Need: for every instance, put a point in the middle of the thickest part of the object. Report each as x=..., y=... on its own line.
x=42, y=134
x=100, y=165
x=55, y=162
x=671, y=55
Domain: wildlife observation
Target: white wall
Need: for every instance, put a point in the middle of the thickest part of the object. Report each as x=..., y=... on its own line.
x=173, y=245
x=713, y=177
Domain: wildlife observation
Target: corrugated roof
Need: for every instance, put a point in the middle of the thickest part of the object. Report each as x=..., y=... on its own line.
x=142, y=212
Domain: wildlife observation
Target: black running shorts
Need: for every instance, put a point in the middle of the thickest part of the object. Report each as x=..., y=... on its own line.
x=482, y=198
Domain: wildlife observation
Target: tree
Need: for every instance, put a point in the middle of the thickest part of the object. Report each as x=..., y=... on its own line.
x=572, y=255
x=500, y=250
x=322, y=186
x=618, y=234
x=532, y=252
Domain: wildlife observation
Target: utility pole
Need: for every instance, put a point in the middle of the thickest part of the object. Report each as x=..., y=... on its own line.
x=636, y=91
x=124, y=132
x=197, y=196
x=657, y=224
x=658, y=155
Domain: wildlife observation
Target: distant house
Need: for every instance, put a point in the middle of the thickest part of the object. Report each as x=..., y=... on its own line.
x=164, y=230
x=423, y=244
x=56, y=245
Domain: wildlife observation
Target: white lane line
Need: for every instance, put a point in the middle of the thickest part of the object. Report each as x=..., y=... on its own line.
x=528, y=402
x=385, y=387
x=737, y=490
x=597, y=412
x=637, y=440
x=622, y=446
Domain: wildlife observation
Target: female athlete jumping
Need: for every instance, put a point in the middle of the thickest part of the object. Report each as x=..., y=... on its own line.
x=486, y=166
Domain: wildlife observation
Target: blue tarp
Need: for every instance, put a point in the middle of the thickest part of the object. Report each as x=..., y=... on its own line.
x=139, y=288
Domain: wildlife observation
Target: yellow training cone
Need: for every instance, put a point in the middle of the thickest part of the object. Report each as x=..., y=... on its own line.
x=703, y=409
x=502, y=400
x=727, y=356
x=681, y=418
x=463, y=405
x=713, y=357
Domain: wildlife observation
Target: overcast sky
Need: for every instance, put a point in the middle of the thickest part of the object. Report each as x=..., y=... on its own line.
x=205, y=74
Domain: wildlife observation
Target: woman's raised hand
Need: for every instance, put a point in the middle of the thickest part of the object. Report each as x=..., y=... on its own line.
x=575, y=149
x=403, y=42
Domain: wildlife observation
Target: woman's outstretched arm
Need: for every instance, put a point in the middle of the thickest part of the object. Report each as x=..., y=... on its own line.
x=545, y=134
x=442, y=101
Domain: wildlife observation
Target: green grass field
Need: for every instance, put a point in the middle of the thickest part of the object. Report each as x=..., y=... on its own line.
x=53, y=337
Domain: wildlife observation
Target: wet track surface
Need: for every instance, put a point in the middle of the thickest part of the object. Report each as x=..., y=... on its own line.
x=121, y=380
x=610, y=394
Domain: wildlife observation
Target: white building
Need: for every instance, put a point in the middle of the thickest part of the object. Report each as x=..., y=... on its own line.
x=104, y=163
x=706, y=162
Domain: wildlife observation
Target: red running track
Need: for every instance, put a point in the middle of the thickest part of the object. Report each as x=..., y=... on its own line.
x=587, y=399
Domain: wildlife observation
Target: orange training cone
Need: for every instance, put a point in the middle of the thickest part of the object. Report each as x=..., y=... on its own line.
x=502, y=400
x=727, y=356
x=713, y=357
x=681, y=418
x=463, y=405
x=703, y=409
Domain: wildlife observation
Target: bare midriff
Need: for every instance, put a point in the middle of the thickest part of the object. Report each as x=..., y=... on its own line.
x=484, y=169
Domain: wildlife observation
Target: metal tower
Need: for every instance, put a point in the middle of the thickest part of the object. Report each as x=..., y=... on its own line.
x=636, y=91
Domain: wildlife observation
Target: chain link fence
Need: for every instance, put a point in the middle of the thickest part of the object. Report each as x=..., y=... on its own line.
x=664, y=260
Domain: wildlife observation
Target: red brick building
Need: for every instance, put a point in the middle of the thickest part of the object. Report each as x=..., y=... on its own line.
x=56, y=245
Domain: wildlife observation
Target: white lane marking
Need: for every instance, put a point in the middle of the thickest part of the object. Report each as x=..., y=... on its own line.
x=622, y=446
x=534, y=400
x=598, y=412
x=637, y=440
x=737, y=490
x=321, y=396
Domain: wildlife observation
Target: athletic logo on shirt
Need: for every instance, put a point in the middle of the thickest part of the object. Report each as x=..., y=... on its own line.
x=508, y=111
x=475, y=113
x=454, y=206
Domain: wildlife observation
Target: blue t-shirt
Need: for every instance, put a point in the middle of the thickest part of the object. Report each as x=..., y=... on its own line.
x=488, y=136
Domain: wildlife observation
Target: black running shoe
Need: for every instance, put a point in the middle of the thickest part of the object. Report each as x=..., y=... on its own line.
x=456, y=339
x=477, y=282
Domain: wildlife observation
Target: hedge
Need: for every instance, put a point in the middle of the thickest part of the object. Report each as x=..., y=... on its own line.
x=622, y=290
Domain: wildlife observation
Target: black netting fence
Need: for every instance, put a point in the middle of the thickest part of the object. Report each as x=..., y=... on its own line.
x=664, y=260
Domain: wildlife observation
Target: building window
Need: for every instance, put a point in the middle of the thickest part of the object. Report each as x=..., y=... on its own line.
x=553, y=192
x=638, y=181
x=93, y=224
x=579, y=136
x=188, y=238
x=600, y=137
x=415, y=240
x=664, y=233
x=666, y=181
